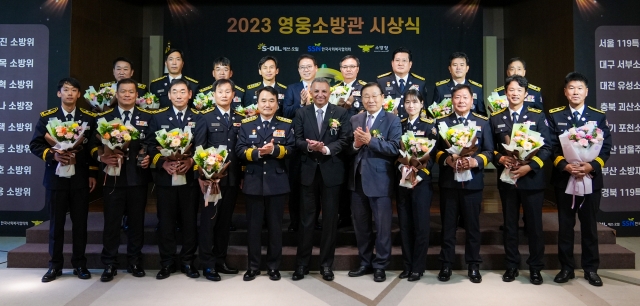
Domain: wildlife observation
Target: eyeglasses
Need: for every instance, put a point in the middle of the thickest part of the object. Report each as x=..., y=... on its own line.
x=305, y=68
x=372, y=96
x=404, y=61
x=349, y=67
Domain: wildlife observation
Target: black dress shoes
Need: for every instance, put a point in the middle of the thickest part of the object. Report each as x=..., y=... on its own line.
x=510, y=275
x=564, y=276
x=593, y=278
x=362, y=270
x=445, y=274
x=474, y=274
x=414, y=276
x=190, y=270
x=166, y=272
x=379, y=275
x=108, y=274
x=404, y=274
x=535, y=277
x=51, y=275
x=274, y=275
x=250, y=275
x=224, y=269
x=299, y=273
x=82, y=273
x=211, y=275
x=136, y=270
x=326, y=273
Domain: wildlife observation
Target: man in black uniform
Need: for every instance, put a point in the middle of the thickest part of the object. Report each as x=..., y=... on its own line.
x=126, y=193
x=222, y=70
x=66, y=193
x=180, y=198
x=220, y=125
x=264, y=141
x=530, y=179
x=560, y=120
x=396, y=83
x=458, y=68
x=123, y=69
x=174, y=61
x=268, y=69
x=533, y=99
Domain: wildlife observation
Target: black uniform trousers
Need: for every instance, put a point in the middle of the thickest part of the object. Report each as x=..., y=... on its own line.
x=171, y=200
x=293, y=170
x=344, y=209
x=414, y=216
x=329, y=198
x=257, y=207
x=76, y=202
x=532, y=201
x=465, y=203
x=214, y=227
x=118, y=202
x=588, y=229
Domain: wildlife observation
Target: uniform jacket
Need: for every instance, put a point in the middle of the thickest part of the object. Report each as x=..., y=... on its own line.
x=140, y=88
x=356, y=93
x=533, y=99
x=251, y=95
x=160, y=88
x=443, y=90
x=391, y=88
x=238, y=98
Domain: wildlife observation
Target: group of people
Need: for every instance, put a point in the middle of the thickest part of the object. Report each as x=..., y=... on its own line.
x=337, y=159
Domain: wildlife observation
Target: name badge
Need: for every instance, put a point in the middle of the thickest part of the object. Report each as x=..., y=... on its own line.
x=592, y=122
x=356, y=93
x=142, y=123
x=278, y=133
x=500, y=126
x=253, y=136
x=388, y=88
x=215, y=124
x=237, y=124
x=160, y=90
x=529, y=123
x=419, y=133
x=562, y=123
x=191, y=124
x=237, y=99
x=447, y=95
x=280, y=96
x=475, y=96
x=164, y=126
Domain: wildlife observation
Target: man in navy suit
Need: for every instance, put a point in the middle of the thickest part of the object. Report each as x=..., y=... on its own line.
x=322, y=133
x=375, y=148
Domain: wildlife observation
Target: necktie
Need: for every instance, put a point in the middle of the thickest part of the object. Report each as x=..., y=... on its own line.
x=514, y=117
x=126, y=117
x=319, y=119
x=69, y=117
x=180, y=119
x=401, y=85
x=265, y=124
x=226, y=118
x=462, y=120
x=576, y=118
x=370, y=122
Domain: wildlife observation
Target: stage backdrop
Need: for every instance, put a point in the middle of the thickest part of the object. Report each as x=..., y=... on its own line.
x=244, y=34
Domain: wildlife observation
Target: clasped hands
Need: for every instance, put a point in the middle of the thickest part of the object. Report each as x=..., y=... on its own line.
x=177, y=166
x=314, y=145
x=361, y=137
x=579, y=170
x=516, y=168
x=463, y=162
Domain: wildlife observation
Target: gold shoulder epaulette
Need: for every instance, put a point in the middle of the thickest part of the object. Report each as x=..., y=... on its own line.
x=190, y=79
x=500, y=111
x=501, y=88
x=106, y=112
x=417, y=76
x=384, y=75
x=92, y=114
x=252, y=118
x=238, y=113
x=206, y=111
x=285, y=87
x=404, y=119
x=443, y=82
x=475, y=83
x=161, y=110
x=534, y=87
x=362, y=82
x=254, y=85
x=557, y=109
x=206, y=88
x=106, y=84
x=158, y=79
x=534, y=110
x=595, y=109
x=283, y=119
x=142, y=86
x=48, y=112
x=427, y=120
x=480, y=116
x=144, y=110
x=195, y=111
x=239, y=88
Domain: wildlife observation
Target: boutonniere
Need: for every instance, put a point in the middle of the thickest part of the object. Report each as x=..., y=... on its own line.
x=376, y=134
x=334, y=124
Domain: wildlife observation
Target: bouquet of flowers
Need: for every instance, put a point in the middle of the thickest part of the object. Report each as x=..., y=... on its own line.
x=100, y=100
x=212, y=167
x=115, y=137
x=522, y=146
x=581, y=144
x=497, y=102
x=204, y=101
x=414, y=154
x=149, y=101
x=390, y=104
x=337, y=93
x=442, y=109
x=461, y=141
x=174, y=146
x=248, y=111
x=65, y=138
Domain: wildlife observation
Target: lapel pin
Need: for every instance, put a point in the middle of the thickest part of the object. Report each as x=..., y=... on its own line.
x=137, y=117
x=188, y=118
x=569, y=117
x=504, y=117
x=393, y=82
x=170, y=118
x=584, y=119
x=218, y=117
x=524, y=117
x=409, y=82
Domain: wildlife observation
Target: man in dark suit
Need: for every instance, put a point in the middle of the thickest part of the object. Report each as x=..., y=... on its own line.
x=463, y=198
x=560, y=120
x=530, y=179
x=268, y=70
x=174, y=62
x=66, y=193
x=220, y=125
x=371, y=179
x=123, y=69
x=322, y=132
x=126, y=193
x=517, y=66
x=397, y=82
x=264, y=141
x=178, y=200
x=222, y=70
x=458, y=68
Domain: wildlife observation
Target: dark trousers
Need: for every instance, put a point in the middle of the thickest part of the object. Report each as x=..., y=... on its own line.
x=76, y=202
x=171, y=200
x=120, y=201
x=328, y=198
x=465, y=203
x=294, y=185
x=214, y=227
x=588, y=229
x=531, y=201
x=414, y=216
x=257, y=207
x=344, y=209
x=363, y=208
